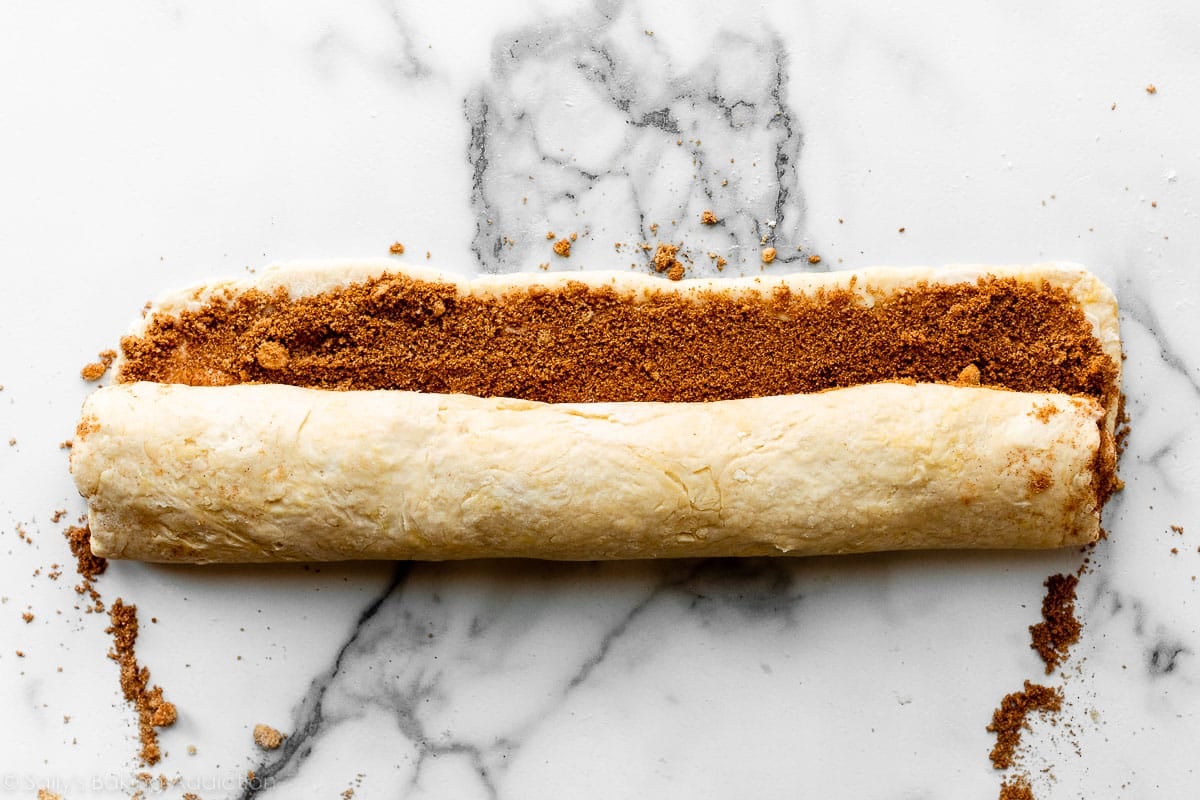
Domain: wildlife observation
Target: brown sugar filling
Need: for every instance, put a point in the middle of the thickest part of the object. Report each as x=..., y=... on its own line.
x=580, y=343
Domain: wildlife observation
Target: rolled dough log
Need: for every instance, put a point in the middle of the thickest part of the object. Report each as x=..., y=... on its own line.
x=270, y=472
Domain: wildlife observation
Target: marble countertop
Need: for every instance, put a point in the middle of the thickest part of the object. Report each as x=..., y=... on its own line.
x=149, y=146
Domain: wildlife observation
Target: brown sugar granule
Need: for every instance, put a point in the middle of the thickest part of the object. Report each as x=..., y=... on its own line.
x=768, y=255
x=46, y=794
x=271, y=356
x=396, y=249
x=1151, y=89
x=95, y=371
x=969, y=376
x=1040, y=482
x=58, y=515
x=1059, y=629
x=1043, y=413
x=388, y=333
x=665, y=257
x=1177, y=529
x=814, y=259
x=675, y=272
x=28, y=617
x=1012, y=716
x=563, y=248
x=152, y=710
x=267, y=737
x=87, y=425
x=708, y=218
x=89, y=566
x=1017, y=788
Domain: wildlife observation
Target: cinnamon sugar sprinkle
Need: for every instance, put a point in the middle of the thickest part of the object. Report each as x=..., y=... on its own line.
x=96, y=370
x=1013, y=716
x=88, y=565
x=1059, y=629
x=153, y=711
x=586, y=344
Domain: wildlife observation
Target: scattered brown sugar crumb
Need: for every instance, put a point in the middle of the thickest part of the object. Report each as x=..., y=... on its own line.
x=549, y=235
x=153, y=711
x=900, y=230
x=574, y=236
x=814, y=259
x=28, y=617
x=1012, y=716
x=708, y=218
x=1151, y=89
x=1040, y=482
x=1059, y=629
x=95, y=371
x=66, y=444
x=1017, y=788
x=267, y=737
x=969, y=376
x=396, y=249
x=563, y=248
x=675, y=273
x=86, y=426
x=768, y=255
x=46, y=794
x=89, y=566
x=58, y=515
x=665, y=259
x=1177, y=529
x=271, y=356
x=1043, y=413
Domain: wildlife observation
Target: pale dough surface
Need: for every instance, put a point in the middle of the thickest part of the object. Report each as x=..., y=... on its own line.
x=270, y=472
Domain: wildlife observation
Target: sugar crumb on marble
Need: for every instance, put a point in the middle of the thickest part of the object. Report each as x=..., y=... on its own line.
x=268, y=738
x=396, y=249
x=97, y=369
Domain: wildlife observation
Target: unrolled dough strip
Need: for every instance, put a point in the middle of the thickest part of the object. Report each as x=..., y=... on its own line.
x=269, y=472
x=264, y=471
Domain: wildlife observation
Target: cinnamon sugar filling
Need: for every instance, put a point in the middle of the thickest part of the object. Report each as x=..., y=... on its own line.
x=580, y=343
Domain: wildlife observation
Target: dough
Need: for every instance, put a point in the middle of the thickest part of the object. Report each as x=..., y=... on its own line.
x=271, y=472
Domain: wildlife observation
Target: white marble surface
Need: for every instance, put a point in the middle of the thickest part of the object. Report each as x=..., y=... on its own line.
x=149, y=145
